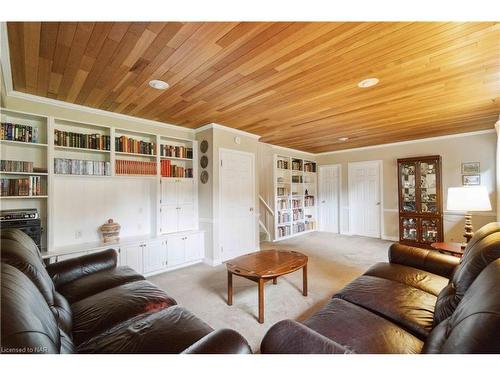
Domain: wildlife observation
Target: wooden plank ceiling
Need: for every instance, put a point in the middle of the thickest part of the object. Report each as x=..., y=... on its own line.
x=295, y=84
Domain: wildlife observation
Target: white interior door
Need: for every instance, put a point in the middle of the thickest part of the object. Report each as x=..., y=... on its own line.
x=237, y=203
x=364, y=198
x=329, y=188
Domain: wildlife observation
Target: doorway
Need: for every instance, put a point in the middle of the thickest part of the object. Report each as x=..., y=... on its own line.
x=365, y=198
x=329, y=198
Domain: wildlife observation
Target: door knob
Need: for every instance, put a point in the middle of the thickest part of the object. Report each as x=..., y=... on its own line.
x=323, y=201
x=378, y=203
x=251, y=209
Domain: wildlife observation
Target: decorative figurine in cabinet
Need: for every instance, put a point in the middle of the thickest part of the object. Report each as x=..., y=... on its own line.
x=420, y=201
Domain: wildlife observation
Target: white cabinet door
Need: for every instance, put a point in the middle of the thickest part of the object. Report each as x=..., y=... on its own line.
x=185, y=217
x=176, y=251
x=169, y=218
x=194, y=247
x=131, y=256
x=155, y=256
x=169, y=191
x=185, y=191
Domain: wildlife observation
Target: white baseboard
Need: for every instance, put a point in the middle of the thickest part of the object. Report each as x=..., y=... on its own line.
x=390, y=238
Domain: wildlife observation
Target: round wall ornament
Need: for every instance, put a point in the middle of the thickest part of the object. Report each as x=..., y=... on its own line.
x=204, y=161
x=204, y=177
x=204, y=146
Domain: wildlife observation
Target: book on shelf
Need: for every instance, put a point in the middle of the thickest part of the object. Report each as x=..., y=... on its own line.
x=134, y=146
x=284, y=231
x=171, y=170
x=297, y=165
x=94, y=141
x=21, y=187
x=282, y=164
x=309, y=167
x=309, y=201
x=281, y=191
x=16, y=166
x=298, y=227
x=133, y=167
x=181, y=152
x=283, y=217
x=17, y=132
x=82, y=167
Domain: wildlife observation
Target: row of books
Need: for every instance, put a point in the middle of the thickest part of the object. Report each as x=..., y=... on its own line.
x=280, y=191
x=296, y=203
x=284, y=217
x=176, y=151
x=309, y=201
x=282, y=164
x=92, y=141
x=296, y=165
x=171, y=170
x=126, y=144
x=135, y=167
x=298, y=227
x=310, y=167
x=297, y=179
x=82, y=167
x=282, y=204
x=284, y=231
x=16, y=166
x=309, y=225
x=17, y=132
x=21, y=187
x=298, y=214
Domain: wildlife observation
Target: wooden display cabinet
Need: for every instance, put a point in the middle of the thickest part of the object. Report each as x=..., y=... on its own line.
x=420, y=201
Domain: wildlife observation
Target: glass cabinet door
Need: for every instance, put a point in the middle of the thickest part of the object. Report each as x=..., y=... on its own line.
x=408, y=187
x=430, y=230
x=428, y=193
x=409, y=229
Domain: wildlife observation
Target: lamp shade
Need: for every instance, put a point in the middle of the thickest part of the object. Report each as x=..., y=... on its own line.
x=468, y=198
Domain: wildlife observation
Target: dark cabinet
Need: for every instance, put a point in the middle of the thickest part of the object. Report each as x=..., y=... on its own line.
x=420, y=201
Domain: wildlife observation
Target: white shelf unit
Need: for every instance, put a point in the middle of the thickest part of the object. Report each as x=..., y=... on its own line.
x=39, y=154
x=295, y=194
x=43, y=155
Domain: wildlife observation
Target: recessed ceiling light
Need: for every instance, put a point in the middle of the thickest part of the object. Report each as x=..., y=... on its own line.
x=343, y=139
x=159, y=85
x=369, y=82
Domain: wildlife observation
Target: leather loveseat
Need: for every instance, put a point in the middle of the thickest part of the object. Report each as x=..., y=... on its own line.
x=89, y=305
x=420, y=302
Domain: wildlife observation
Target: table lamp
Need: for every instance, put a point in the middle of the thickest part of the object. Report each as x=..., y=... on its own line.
x=468, y=198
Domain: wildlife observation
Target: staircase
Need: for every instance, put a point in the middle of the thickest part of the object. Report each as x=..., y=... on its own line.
x=266, y=221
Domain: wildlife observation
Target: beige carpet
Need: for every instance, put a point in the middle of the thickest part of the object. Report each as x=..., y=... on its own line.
x=334, y=261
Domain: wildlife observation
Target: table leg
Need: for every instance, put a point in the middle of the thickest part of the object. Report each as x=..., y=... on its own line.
x=275, y=280
x=261, y=300
x=304, y=280
x=229, y=288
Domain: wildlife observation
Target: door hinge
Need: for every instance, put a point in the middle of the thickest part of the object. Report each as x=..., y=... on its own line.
x=221, y=163
x=221, y=249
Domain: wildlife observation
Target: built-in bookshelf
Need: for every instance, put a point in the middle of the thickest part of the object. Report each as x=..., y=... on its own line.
x=38, y=151
x=295, y=191
x=24, y=161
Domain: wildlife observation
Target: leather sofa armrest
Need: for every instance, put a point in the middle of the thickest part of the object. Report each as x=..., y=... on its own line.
x=72, y=269
x=291, y=337
x=222, y=341
x=424, y=259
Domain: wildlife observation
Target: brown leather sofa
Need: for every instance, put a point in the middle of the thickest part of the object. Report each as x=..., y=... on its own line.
x=89, y=305
x=420, y=302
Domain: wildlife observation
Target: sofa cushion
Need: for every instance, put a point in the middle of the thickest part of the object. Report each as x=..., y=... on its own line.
x=166, y=331
x=101, y=311
x=97, y=282
x=482, y=249
x=425, y=281
x=474, y=326
x=408, y=307
x=362, y=331
x=28, y=324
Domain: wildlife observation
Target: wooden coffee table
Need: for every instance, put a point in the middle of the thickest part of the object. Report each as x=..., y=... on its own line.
x=263, y=266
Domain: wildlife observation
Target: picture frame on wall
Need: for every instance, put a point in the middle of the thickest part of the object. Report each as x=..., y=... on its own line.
x=471, y=168
x=471, y=180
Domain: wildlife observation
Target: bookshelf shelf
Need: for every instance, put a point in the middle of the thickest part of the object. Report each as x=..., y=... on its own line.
x=24, y=173
x=68, y=148
x=295, y=180
x=174, y=158
x=24, y=197
x=135, y=154
x=22, y=144
x=81, y=175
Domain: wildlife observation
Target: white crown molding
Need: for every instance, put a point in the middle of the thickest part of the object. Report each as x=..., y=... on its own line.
x=286, y=149
x=430, y=139
x=228, y=129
